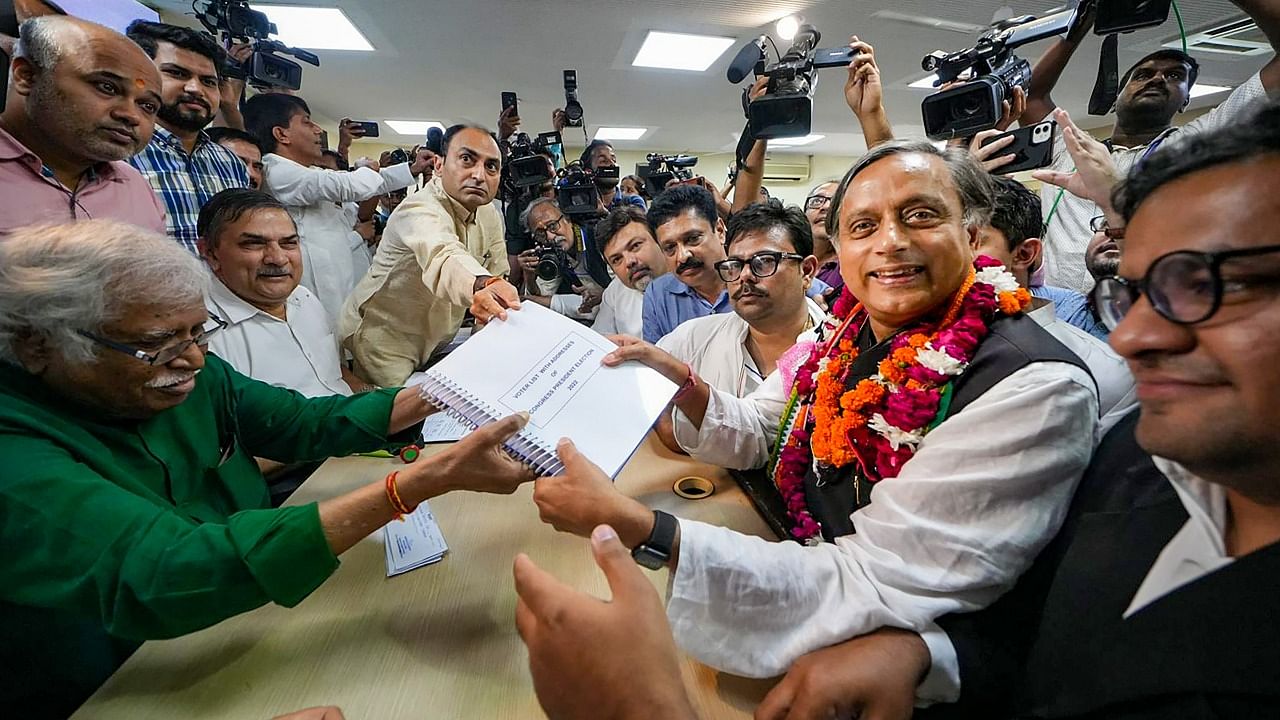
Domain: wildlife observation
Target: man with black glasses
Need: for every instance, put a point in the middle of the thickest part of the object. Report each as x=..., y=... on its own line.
x=815, y=209
x=768, y=266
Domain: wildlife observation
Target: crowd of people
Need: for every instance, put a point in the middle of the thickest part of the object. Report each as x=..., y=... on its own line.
x=1026, y=443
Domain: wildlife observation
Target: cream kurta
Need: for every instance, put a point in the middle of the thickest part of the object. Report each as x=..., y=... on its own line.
x=420, y=284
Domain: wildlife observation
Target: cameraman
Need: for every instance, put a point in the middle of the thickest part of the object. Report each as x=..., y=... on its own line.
x=516, y=201
x=564, y=246
x=1152, y=92
x=599, y=154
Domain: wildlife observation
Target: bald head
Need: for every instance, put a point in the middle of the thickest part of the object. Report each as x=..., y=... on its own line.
x=80, y=93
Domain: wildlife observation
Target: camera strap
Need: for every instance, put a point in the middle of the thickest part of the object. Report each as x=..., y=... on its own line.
x=1107, y=85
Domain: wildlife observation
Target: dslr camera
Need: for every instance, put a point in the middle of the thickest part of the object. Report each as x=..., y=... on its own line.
x=235, y=20
x=577, y=193
x=665, y=168
x=786, y=108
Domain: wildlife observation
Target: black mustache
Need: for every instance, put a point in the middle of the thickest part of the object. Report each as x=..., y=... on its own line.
x=750, y=291
x=690, y=264
x=193, y=99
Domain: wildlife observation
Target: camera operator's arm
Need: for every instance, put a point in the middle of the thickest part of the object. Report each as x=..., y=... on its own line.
x=508, y=123
x=293, y=184
x=751, y=176
x=231, y=90
x=1045, y=74
x=1266, y=15
x=865, y=94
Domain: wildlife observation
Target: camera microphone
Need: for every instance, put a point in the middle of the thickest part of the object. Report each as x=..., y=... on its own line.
x=745, y=60
x=435, y=140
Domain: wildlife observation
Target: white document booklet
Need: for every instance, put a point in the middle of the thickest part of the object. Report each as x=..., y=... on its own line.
x=548, y=365
x=414, y=541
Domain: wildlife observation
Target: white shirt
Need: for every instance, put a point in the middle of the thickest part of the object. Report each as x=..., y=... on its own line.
x=984, y=493
x=621, y=311
x=1117, y=392
x=298, y=353
x=315, y=198
x=1198, y=549
x=716, y=347
x=1067, y=233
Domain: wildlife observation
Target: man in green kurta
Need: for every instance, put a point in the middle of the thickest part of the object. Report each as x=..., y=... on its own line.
x=131, y=507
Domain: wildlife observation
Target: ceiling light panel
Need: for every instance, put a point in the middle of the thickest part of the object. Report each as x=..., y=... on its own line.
x=413, y=127
x=680, y=51
x=620, y=133
x=315, y=28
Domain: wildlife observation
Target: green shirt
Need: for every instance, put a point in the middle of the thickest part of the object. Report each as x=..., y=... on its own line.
x=117, y=531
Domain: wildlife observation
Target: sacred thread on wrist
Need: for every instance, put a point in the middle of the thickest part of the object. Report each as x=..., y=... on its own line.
x=393, y=496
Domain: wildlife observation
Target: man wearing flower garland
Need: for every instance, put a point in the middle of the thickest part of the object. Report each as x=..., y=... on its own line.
x=968, y=420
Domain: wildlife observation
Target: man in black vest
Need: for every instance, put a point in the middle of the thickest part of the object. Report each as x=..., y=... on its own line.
x=949, y=529
x=1160, y=597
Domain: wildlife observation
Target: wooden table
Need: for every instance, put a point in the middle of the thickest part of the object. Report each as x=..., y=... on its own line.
x=439, y=642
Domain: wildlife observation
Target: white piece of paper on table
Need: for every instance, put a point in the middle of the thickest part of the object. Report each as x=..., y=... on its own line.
x=413, y=542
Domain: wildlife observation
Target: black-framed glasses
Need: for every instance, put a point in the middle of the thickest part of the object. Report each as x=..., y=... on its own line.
x=546, y=229
x=165, y=354
x=1184, y=287
x=1098, y=224
x=762, y=264
x=814, y=202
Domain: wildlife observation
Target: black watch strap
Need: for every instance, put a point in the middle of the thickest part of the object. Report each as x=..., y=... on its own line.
x=655, y=552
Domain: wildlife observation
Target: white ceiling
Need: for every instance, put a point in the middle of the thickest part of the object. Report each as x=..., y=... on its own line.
x=448, y=60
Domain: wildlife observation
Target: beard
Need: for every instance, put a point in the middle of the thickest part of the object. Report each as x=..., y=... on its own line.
x=189, y=120
x=45, y=108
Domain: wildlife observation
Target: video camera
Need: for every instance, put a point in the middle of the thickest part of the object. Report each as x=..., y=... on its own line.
x=235, y=20
x=526, y=165
x=577, y=193
x=786, y=108
x=976, y=105
x=665, y=168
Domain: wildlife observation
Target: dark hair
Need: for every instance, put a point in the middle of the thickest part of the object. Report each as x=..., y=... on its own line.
x=1246, y=139
x=1193, y=67
x=673, y=201
x=268, y=111
x=613, y=223
x=219, y=134
x=585, y=158
x=641, y=185
x=973, y=184
x=229, y=206
x=1016, y=212
x=149, y=35
x=764, y=216
x=454, y=130
x=339, y=161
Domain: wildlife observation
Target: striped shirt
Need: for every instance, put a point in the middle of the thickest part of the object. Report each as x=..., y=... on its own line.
x=185, y=182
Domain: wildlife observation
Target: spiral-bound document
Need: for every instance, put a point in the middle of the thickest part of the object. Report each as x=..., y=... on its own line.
x=548, y=365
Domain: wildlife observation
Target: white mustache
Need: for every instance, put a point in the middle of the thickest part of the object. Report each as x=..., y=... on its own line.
x=169, y=379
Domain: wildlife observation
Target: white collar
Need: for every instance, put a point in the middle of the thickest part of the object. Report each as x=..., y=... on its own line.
x=234, y=309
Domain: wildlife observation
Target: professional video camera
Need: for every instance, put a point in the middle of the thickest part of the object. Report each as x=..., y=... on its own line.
x=995, y=71
x=235, y=20
x=665, y=168
x=577, y=193
x=526, y=165
x=786, y=108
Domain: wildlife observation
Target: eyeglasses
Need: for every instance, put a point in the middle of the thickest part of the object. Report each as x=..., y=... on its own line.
x=814, y=202
x=763, y=264
x=1098, y=224
x=546, y=229
x=164, y=355
x=1184, y=287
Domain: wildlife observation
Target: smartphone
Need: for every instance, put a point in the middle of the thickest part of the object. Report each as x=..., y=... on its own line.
x=1032, y=147
x=509, y=101
x=370, y=128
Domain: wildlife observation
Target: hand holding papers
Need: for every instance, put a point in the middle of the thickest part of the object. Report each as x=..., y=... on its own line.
x=543, y=363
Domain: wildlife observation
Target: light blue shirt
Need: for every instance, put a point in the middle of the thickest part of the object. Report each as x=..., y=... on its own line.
x=1072, y=308
x=669, y=302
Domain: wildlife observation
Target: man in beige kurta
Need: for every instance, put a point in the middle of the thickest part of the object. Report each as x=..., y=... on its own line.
x=442, y=252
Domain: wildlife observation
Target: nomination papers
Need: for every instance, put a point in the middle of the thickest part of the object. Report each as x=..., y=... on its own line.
x=413, y=542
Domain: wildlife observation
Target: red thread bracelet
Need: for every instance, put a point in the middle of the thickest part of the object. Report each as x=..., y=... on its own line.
x=393, y=496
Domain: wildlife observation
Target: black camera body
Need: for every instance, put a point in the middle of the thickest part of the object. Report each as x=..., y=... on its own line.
x=577, y=192
x=1120, y=16
x=573, y=113
x=552, y=262
x=526, y=166
x=786, y=108
x=235, y=20
x=665, y=168
x=976, y=105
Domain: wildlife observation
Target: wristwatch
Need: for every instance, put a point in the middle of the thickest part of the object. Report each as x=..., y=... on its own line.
x=655, y=552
